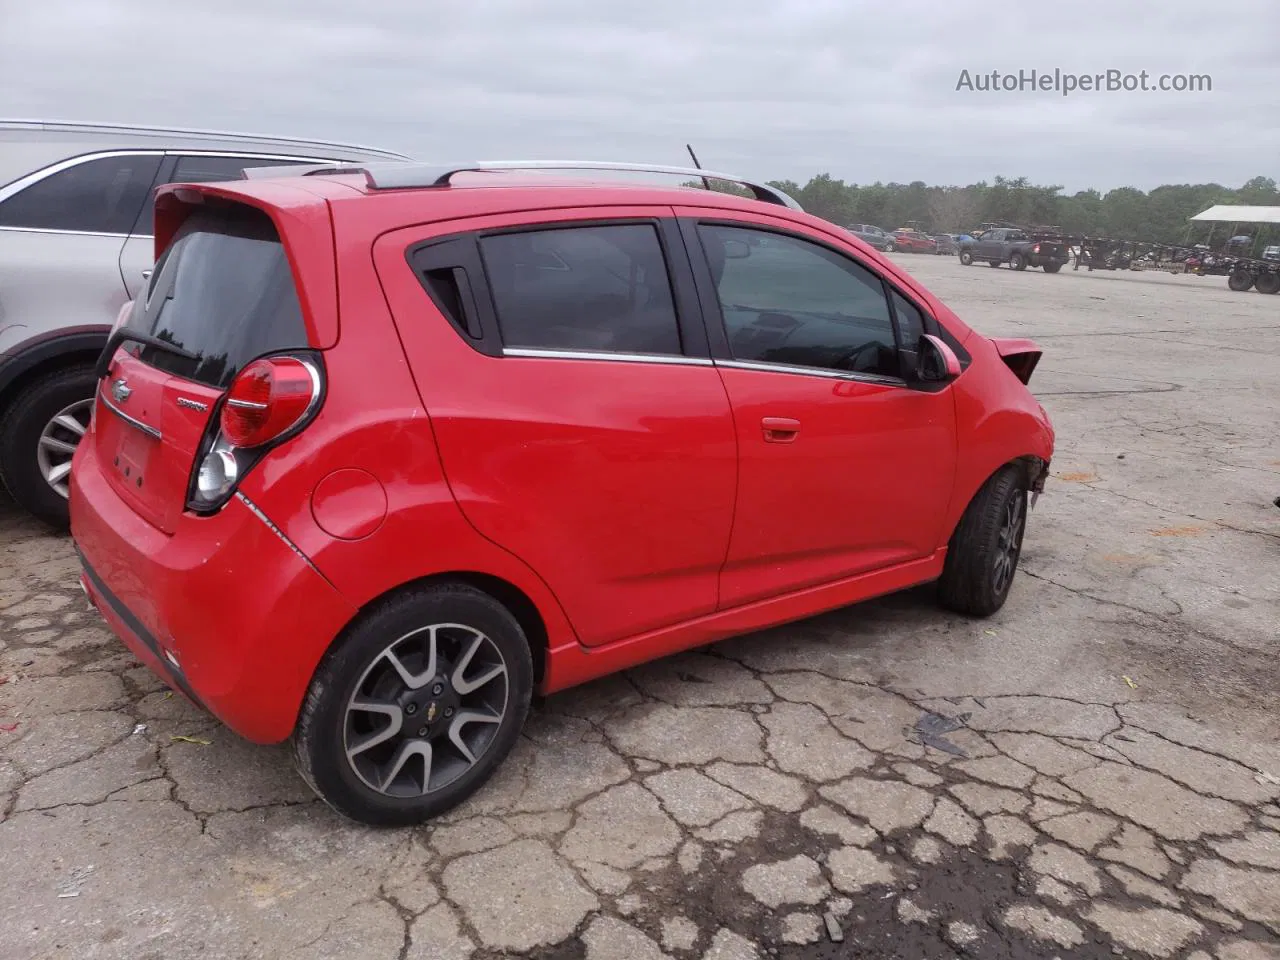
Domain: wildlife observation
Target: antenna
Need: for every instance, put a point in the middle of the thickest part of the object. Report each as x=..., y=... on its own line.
x=705, y=182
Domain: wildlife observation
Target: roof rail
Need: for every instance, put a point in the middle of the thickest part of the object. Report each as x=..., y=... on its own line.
x=73, y=126
x=403, y=176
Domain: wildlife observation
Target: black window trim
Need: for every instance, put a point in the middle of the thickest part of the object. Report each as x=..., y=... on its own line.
x=718, y=335
x=695, y=348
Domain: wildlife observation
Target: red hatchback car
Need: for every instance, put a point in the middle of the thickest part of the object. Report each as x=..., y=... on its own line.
x=380, y=453
x=913, y=241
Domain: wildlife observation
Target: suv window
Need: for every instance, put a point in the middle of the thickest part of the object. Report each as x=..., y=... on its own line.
x=222, y=290
x=602, y=288
x=791, y=301
x=97, y=196
x=197, y=169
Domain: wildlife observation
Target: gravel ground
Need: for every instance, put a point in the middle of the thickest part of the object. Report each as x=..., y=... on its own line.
x=1111, y=787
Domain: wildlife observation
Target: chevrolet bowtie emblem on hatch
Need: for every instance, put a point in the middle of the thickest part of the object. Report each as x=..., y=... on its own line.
x=121, y=390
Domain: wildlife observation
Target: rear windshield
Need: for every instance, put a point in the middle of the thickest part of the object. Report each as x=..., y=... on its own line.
x=222, y=291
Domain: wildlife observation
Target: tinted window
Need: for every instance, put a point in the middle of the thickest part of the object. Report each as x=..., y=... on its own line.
x=790, y=301
x=583, y=288
x=222, y=290
x=192, y=169
x=99, y=196
x=910, y=321
x=210, y=169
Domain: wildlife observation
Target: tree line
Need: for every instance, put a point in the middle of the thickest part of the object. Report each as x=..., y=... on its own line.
x=1161, y=215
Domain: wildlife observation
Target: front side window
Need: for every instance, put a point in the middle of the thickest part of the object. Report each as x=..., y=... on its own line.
x=790, y=301
x=97, y=196
x=596, y=288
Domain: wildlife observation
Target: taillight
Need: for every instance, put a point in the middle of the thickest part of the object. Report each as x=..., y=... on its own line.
x=267, y=399
x=1036, y=248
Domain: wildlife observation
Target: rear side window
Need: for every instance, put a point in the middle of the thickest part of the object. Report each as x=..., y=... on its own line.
x=208, y=169
x=223, y=290
x=97, y=196
x=596, y=288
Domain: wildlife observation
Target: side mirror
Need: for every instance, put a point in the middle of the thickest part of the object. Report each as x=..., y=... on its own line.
x=736, y=250
x=936, y=362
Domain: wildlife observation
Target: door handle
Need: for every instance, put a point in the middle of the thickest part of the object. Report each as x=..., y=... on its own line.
x=780, y=429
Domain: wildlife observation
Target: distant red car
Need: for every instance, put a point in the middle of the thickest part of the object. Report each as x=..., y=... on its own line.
x=913, y=241
x=379, y=454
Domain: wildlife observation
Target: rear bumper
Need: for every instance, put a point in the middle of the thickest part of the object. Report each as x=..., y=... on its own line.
x=226, y=611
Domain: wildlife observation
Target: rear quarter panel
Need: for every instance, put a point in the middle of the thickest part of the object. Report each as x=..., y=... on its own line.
x=373, y=420
x=997, y=419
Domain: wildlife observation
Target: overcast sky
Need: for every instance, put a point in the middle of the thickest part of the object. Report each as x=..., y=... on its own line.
x=774, y=90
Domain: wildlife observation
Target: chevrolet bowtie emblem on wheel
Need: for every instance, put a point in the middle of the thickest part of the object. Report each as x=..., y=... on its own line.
x=121, y=390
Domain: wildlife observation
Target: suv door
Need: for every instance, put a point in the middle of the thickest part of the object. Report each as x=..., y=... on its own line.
x=843, y=467
x=580, y=421
x=138, y=253
x=60, y=238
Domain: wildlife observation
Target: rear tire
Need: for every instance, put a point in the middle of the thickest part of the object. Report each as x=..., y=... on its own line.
x=966, y=258
x=1240, y=280
x=983, y=555
x=1268, y=283
x=387, y=782
x=1052, y=267
x=22, y=429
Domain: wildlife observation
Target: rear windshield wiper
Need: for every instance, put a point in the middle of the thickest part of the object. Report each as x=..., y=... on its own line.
x=125, y=335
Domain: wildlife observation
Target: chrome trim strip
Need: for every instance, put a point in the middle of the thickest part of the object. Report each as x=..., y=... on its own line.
x=812, y=372
x=257, y=512
x=146, y=428
x=533, y=352
x=243, y=155
x=246, y=404
x=76, y=233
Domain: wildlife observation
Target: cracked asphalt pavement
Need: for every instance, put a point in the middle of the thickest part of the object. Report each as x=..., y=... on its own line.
x=1111, y=786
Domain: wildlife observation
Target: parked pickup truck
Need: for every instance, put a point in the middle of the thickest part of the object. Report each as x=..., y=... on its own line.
x=1014, y=247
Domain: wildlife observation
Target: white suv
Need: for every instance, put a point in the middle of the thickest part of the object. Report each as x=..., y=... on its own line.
x=75, y=245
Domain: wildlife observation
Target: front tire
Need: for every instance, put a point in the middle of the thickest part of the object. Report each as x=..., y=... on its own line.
x=38, y=437
x=412, y=711
x=984, y=551
x=1240, y=280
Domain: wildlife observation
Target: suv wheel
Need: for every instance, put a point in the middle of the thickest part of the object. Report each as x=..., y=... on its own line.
x=966, y=258
x=414, y=709
x=38, y=437
x=984, y=551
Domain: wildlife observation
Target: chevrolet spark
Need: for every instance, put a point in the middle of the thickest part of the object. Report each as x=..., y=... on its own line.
x=379, y=453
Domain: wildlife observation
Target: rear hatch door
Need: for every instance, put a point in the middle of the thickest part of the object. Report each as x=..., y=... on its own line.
x=221, y=295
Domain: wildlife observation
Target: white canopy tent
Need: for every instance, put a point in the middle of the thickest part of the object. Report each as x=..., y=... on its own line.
x=1232, y=213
